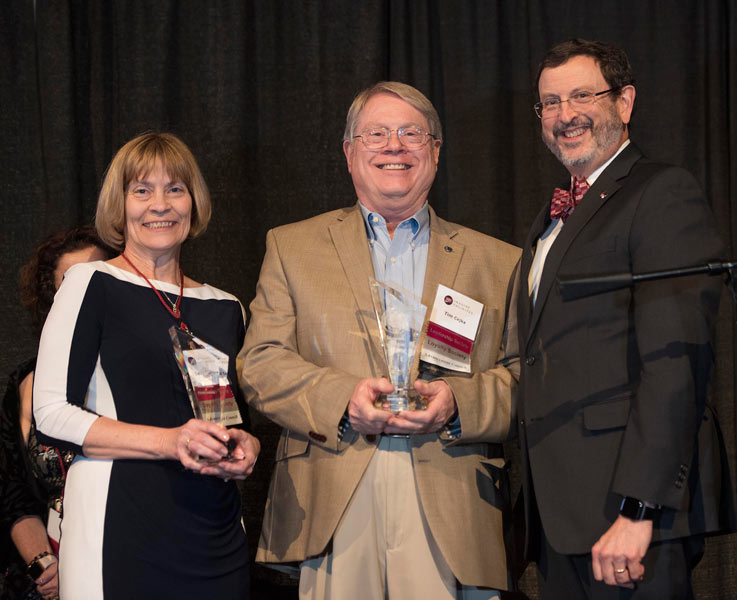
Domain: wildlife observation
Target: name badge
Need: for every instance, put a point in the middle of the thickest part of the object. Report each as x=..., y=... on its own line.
x=451, y=330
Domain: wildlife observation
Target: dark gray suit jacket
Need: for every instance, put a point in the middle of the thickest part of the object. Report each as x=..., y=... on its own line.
x=613, y=387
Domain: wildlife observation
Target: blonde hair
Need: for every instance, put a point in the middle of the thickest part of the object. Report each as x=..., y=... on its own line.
x=136, y=159
x=412, y=96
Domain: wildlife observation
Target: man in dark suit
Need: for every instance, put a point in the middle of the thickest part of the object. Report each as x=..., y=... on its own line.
x=623, y=460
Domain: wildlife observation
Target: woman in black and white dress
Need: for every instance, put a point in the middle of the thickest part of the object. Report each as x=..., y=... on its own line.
x=151, y=509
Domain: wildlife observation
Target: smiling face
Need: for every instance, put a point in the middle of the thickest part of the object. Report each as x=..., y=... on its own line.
x=157, y=214
x=584, y=139
x=392, y=181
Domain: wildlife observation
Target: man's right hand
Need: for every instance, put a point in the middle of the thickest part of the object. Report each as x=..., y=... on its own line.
x=364, y=416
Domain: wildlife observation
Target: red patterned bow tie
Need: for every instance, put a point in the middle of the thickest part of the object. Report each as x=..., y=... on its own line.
x=564, y=201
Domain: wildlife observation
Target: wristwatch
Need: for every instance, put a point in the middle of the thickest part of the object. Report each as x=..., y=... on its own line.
x=39, y=564
x=344, y=426
x=452, y=427
x=637, y=510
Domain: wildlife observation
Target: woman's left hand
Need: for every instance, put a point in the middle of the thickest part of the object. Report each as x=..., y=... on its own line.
x=243, y=459
x=48, y=582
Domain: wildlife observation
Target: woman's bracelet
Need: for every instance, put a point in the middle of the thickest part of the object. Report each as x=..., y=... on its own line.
x=39, y=564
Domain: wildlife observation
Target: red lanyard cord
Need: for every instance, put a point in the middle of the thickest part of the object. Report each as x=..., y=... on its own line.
x=174, y=312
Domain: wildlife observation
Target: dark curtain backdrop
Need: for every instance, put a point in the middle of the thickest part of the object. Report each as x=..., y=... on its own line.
x=259, y=90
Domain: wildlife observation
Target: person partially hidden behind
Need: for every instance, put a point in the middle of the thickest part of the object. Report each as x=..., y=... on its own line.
x=622, y=458
x=365, y=514
x=31, y=474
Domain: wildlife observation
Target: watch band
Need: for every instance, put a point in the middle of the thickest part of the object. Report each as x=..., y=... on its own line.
x=637, y=510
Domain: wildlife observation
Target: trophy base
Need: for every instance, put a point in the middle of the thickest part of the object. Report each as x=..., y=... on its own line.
x=397, y=402
x=401, y=400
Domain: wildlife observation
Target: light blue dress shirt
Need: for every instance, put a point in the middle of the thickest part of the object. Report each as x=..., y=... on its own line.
x=400, y=261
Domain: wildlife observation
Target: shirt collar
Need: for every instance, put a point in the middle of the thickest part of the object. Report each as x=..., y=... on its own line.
x=595, y=175
x=418, y=222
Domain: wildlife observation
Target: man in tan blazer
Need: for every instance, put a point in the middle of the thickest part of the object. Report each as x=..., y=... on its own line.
x=372, y=504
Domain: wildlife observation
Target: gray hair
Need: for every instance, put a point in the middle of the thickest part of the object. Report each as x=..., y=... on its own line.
x=412, y=96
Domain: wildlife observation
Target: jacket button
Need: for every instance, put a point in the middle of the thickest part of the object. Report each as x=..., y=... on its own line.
x=317, y=436
x=530, y=360
x=370, y=437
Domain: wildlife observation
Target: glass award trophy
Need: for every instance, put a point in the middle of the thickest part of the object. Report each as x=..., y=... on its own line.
x=204, y=369
x=400, y=316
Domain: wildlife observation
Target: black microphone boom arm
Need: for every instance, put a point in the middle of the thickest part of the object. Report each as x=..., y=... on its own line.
x=580, y=286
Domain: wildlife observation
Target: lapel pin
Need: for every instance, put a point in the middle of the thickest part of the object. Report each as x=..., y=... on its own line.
x=448, y=249
x=603, y=195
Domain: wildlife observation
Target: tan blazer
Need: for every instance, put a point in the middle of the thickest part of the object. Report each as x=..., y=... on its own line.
x=313, y=336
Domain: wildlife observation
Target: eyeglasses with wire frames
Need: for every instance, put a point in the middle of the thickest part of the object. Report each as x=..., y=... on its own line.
x=579, y=100
x=412, y=138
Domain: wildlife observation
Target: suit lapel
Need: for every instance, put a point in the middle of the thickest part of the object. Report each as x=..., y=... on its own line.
x=605, y=186
x=349, y=237
x=444, y=255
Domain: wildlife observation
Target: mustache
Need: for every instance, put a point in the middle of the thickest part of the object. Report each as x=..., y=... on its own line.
x=579, y=121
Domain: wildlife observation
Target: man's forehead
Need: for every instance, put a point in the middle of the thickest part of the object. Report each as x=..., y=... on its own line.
x=389, y=107
x=576, y=72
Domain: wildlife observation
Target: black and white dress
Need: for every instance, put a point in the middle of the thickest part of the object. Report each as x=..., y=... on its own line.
x=135, y=528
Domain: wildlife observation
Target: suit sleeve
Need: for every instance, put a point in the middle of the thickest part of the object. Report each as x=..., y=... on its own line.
x=295, y=393
x=487, y=400
x=673, y=323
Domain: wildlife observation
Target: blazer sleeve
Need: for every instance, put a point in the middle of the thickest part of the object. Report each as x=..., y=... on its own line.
x=277, y=380
x=673, y=322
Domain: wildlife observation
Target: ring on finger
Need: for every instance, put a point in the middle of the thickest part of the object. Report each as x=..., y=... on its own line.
x=186, y=444
x=620, y=570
